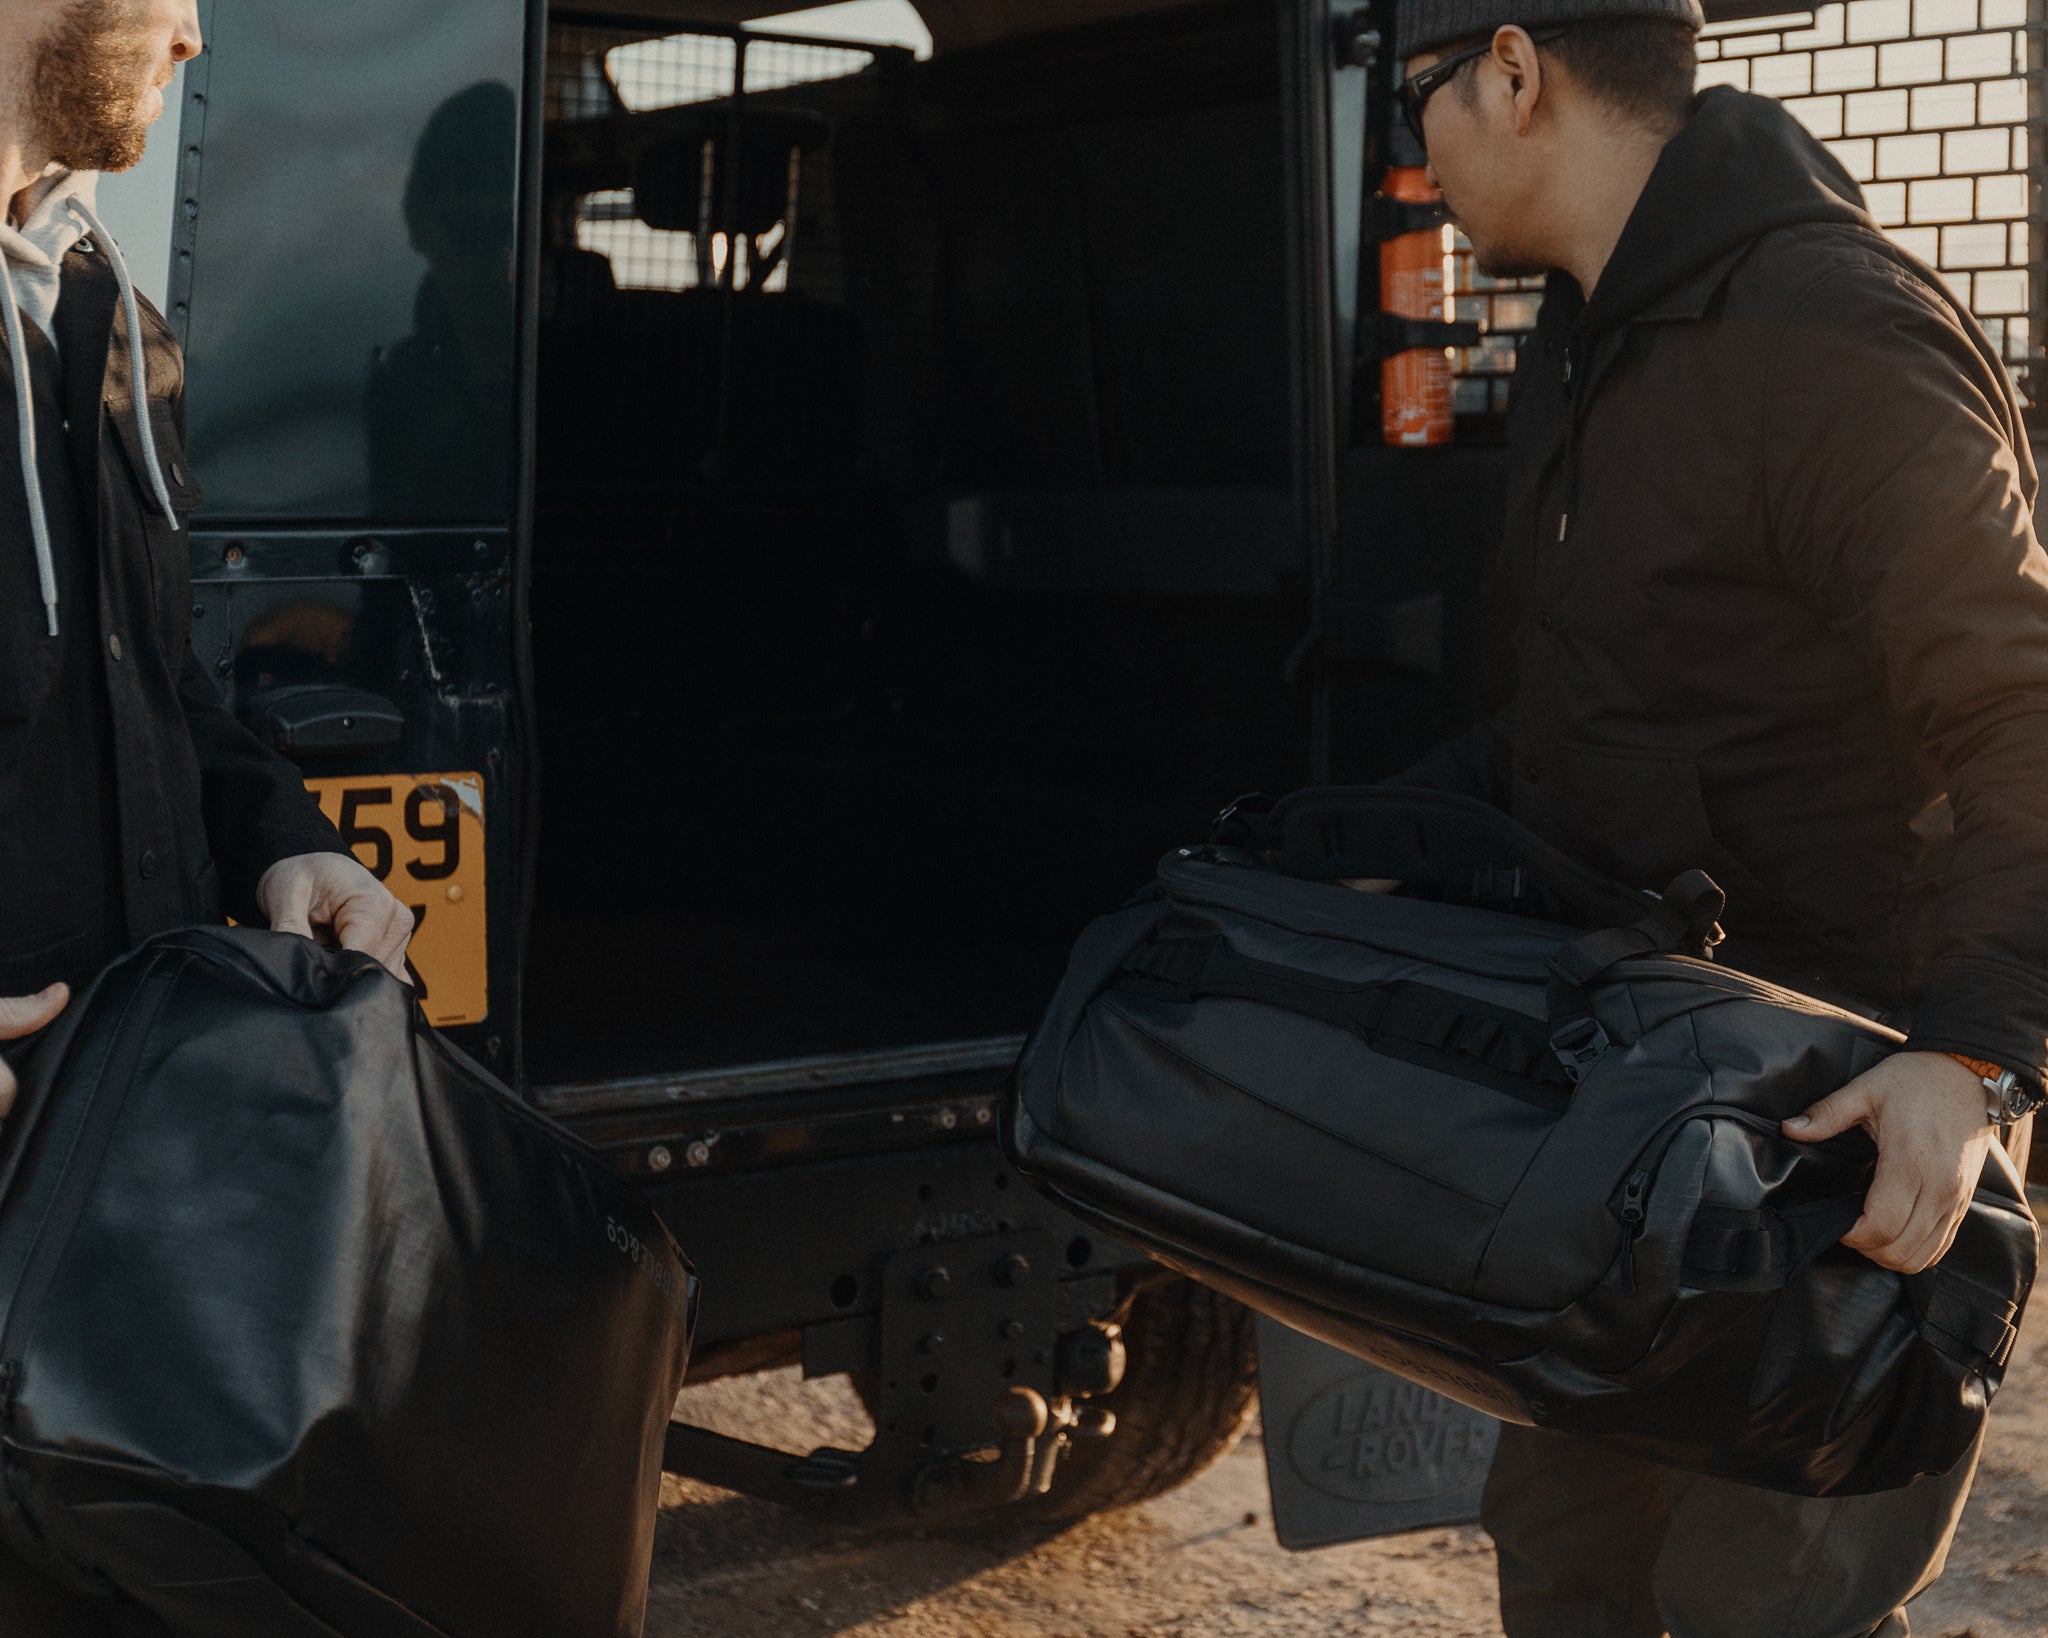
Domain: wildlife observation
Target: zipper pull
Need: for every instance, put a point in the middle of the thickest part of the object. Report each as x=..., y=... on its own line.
x=1632, y=1215
x=1564, y=524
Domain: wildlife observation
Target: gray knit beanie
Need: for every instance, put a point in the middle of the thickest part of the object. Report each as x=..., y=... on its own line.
x=1428, y=25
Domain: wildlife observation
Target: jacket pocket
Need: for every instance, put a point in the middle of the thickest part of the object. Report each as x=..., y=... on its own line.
x=1642, y=818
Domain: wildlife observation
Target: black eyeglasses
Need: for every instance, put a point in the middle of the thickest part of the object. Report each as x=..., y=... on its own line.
x=1417, y=89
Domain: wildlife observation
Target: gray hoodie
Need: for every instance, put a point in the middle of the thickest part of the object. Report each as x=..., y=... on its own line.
x=31, y=273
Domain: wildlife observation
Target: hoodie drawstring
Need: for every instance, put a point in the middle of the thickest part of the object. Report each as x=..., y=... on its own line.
x=31, y=471
x=138, y=362
x=24, y=399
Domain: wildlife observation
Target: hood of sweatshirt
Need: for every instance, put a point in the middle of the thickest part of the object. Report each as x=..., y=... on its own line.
x=1742, y=167
x=31, y=284
x=35, y=251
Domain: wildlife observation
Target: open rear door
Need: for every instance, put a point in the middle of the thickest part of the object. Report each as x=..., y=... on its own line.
x=345, y=281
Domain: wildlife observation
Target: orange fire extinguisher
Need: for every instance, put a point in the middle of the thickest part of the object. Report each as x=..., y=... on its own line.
x=1415, y=386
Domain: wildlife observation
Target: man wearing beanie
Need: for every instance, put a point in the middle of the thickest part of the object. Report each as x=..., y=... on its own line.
x=1779, y=612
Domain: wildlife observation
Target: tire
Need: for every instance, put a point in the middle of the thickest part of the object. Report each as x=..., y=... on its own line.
x=1189, y=1390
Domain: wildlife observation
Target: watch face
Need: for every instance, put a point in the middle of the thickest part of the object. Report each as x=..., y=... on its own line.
x=2015, y=1101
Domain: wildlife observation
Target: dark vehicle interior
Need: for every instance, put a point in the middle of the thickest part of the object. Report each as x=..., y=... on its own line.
x=915, y=555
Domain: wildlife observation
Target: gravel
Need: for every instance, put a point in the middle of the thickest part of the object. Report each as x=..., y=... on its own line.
x=1202, y=1563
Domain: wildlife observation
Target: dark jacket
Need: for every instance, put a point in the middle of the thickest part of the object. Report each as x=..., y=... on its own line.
x=131, y=801
x=1780, y=609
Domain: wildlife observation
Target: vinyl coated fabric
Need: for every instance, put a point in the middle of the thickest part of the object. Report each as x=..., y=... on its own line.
x=312, y=1327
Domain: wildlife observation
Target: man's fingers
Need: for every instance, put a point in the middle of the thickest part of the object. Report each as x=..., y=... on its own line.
x=291, y=905
x=25, y=1014
x=378, y=926
x=1888, y=1212
x=1833, y=1115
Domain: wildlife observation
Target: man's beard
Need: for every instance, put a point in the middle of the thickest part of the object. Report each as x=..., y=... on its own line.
x=89, y=83
x=1501, y=262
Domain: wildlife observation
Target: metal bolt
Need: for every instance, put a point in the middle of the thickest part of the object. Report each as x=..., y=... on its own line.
x=932, y=1344
x=234, y=555
x=699, y=1153
x=659, y=1159
x=934, y=1285
x=981, y=1116
x=1013, y=1329
x=948, y=1120
x=1013, y=1270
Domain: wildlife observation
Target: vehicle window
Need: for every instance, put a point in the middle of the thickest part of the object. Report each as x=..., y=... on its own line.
x=602, y=80
x=873, y=22
x=349, y=316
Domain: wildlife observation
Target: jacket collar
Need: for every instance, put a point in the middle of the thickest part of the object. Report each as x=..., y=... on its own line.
x=1742, y=168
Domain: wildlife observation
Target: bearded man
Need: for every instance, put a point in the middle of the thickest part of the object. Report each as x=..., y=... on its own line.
x=131, y=801
x=1782, y=614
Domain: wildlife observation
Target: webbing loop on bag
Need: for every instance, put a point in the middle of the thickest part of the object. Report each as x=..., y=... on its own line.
x=1685, y=922
x=1763, y=1250
x=1496, y=1046
x=1973, y=1326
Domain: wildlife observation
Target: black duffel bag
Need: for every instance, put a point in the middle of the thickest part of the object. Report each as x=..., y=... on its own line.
x=311, y=1328
x=1533, y=1165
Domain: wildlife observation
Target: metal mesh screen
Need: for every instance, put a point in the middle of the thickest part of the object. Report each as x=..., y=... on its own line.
x=599, y=73
x=1924, y=101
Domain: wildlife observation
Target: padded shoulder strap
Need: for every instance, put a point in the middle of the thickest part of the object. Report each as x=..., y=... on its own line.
x=1427, y=837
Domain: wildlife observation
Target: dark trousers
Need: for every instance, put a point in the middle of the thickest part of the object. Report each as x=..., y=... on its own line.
x=1597, y=1545
x=32, y=1606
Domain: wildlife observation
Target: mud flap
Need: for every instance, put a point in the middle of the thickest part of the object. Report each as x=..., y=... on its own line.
x=1354, y=1452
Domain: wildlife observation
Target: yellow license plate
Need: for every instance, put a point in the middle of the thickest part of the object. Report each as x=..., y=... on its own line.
x=422, y=836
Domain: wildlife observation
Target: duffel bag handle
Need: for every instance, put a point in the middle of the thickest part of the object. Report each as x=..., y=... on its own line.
x=1430, y=838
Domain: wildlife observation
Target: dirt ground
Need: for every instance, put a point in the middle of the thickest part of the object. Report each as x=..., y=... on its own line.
x=1202, y=1563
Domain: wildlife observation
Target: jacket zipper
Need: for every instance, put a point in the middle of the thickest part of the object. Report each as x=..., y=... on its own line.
x=81, y=1169
x=1571, y=446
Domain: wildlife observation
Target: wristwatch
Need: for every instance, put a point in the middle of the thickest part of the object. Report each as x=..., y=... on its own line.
x=2007, y=1099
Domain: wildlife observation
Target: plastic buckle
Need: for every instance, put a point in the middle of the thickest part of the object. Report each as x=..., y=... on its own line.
x=1232, y=827
x=1579, y=1045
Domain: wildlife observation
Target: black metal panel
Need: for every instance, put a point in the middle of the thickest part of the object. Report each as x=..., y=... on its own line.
x=421, y=619
x=344, y=271
x=800, y=1246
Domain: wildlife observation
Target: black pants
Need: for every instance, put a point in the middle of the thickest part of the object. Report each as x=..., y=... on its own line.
x=1597, y=1545
x=32, y=1606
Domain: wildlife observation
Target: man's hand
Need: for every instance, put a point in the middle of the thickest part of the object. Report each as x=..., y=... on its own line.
x=22, y=1016
x=1926, y=1112
x=332, y=899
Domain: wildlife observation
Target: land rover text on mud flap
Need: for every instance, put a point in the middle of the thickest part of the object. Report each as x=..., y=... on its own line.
x=759, y=537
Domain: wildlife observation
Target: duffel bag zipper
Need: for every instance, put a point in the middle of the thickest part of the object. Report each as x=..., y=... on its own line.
x=1632, y=1214
x=1633, y=1209
x=81, y=1169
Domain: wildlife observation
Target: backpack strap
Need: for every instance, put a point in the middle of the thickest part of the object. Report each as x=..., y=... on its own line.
x=1686, y=921
x=1418, y=1023
x=1428, y=838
